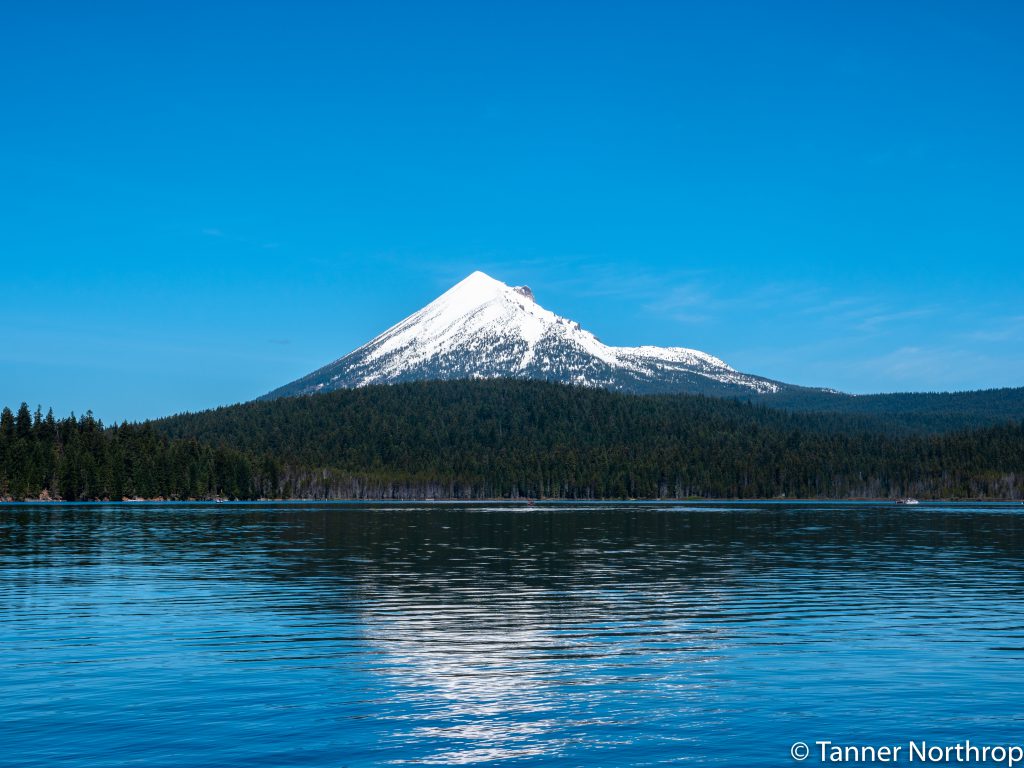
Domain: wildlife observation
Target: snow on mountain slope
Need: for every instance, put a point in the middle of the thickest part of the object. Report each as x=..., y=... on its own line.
x=483, y=328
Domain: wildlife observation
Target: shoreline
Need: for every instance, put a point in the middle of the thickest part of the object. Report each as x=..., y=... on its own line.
x=522, y=501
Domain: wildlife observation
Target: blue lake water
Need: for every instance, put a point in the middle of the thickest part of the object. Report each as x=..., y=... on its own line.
x=561, y=634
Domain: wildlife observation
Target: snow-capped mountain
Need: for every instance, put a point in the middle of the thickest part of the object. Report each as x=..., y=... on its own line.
x=483, y=328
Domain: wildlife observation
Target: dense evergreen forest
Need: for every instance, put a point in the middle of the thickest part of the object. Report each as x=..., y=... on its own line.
x=79, y=459
x=909, y=411
x=502, y=438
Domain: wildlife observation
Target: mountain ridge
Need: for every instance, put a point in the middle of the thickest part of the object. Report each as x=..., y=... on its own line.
x=484, y=328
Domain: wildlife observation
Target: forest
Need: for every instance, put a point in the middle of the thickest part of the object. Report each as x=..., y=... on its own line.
x=909, y=411
x=78, y=459
x=504, y=439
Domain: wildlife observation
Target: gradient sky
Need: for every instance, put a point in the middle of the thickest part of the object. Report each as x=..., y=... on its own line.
x=203, y=201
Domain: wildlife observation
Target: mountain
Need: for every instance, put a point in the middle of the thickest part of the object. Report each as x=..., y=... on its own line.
x=483, y=328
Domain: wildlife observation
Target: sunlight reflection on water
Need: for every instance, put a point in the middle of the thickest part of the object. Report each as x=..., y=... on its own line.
x=598, y=634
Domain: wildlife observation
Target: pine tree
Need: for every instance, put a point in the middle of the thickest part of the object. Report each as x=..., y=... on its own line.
x=23, y=422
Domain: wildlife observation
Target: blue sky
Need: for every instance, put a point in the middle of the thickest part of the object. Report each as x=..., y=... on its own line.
x=202, y=201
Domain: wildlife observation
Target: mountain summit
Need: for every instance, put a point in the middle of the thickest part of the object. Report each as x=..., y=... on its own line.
x=483, y=328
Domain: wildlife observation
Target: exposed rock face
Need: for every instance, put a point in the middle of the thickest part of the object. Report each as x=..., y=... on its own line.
x=524, y=290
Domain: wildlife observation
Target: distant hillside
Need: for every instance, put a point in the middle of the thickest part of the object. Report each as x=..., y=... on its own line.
x=502, y=438
x=520, y=438
x=915, y=411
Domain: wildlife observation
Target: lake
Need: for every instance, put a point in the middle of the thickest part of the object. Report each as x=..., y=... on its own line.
x=625, y=634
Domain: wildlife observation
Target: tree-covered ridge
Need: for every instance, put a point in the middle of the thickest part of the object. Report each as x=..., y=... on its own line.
x=507, y=438
x=909, y=411
x=502, y=438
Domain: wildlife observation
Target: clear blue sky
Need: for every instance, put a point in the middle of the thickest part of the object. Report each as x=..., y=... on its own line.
x=202, y=201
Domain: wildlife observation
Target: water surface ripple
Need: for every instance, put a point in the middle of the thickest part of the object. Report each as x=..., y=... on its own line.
x=560, y=634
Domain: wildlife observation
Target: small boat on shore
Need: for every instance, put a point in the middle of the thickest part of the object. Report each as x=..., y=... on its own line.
x=907, y=501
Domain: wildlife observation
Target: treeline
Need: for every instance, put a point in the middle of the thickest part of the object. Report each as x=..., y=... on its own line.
x=80, y=459
x=908, y=411
x=502, y=438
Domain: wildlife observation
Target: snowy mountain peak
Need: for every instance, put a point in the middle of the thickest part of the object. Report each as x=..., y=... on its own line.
x=483, y=328
x=476, y=288
x=475, y=291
